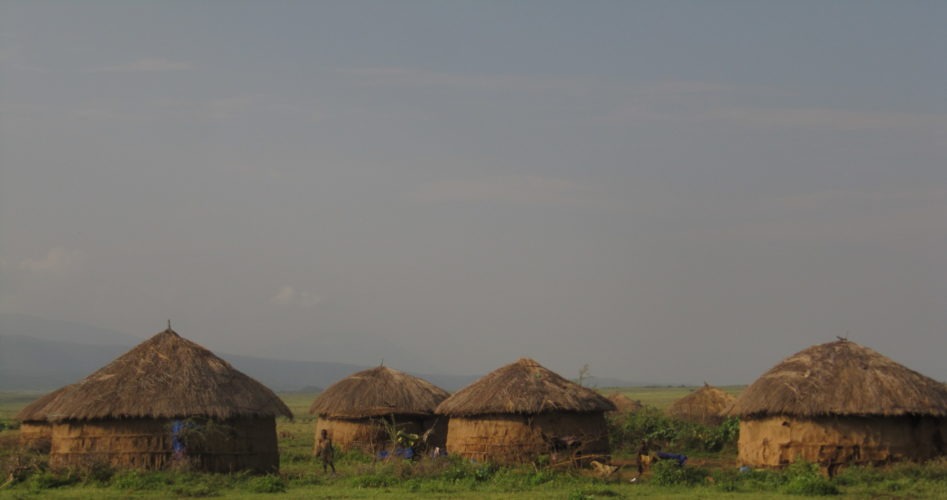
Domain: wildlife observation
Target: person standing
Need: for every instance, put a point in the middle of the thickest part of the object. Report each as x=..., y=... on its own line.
x=325, y=452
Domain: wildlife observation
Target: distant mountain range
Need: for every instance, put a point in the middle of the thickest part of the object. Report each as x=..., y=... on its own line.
x=38, y=354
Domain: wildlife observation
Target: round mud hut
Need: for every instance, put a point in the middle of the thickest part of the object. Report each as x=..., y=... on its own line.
x=840, y=403
x=523, y=410
x=167, y=402
x=362, y=410
x=705, y=406
x=624, y=404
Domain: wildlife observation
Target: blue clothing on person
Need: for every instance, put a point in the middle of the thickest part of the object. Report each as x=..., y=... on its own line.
x=673, y=456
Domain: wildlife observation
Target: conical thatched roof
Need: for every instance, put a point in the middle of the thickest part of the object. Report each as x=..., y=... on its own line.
x=523, y=387
x=35, y=411
x=377, y=392
x=841, y=378
x=165, y=376
x=624, y=404
x=705, y=406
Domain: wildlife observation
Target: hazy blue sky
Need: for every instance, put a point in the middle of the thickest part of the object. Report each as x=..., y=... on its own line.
x=666, y=191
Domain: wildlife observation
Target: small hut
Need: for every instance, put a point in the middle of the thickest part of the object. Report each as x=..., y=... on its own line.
x=841, y=403
x=361, y=410
x=705, y=406
x=624, y=404
x=167, y=401
x=523, y=410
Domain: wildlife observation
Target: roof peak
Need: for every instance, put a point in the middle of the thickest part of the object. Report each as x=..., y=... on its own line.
x=169, y=330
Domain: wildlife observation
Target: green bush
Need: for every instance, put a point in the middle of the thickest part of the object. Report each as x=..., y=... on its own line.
x=932, y=470
x=669, y=473
x=804, y=478
x=461, y=469
x=46, y=479
x=628, y=431
x=100, y=472
x=191, y=484
x=859, y=475
x=811, y=486
x=135, y=480
x=266, y=484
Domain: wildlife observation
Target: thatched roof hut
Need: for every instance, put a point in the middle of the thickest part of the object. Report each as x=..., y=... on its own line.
x=705, y=406
x=167, y=393
x=523, y=410
x=839, y=403
x=624, y=404
x=359, y=410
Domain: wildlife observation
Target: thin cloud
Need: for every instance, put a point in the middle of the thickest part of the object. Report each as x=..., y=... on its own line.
x=287, y=296
x=827, y=118
x=56, y=260
x=523, y=190
x=845, y=216
x=409, y=77
x=146, y=65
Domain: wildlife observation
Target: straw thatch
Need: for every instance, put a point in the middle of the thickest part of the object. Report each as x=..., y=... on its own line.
x=526, y=388
x=523, y=410
x=35, y=430
x=841, y=403
x=378, y=392
x=166, y=376
x=123, y=413
x=705, y=406
x=358, y=410
x=842, y=378
x=624, y=404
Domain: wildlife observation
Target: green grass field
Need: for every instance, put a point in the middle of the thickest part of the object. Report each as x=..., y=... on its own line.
x=708, y=475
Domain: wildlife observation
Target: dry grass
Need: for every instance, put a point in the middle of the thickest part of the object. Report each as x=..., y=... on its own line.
x=164, y=377
x=377, y=392
x=705, y=406
x=624, y=404
x=842, y=378
x=524, y=387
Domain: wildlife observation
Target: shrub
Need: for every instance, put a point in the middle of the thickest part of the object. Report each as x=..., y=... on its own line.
x=669, y=473
x=811, y=486
x=266, y=484
x=98, y=471
x=461, y=469
x=851, y=476
x=539, y=477
x=932, y=470
x=627, y=432
x=194, y=485
x=135, y=480
x=19, y=466
x=804, y=478
x=47, y=479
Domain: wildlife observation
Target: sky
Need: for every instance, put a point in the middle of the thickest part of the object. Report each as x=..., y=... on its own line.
x=664, y=191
